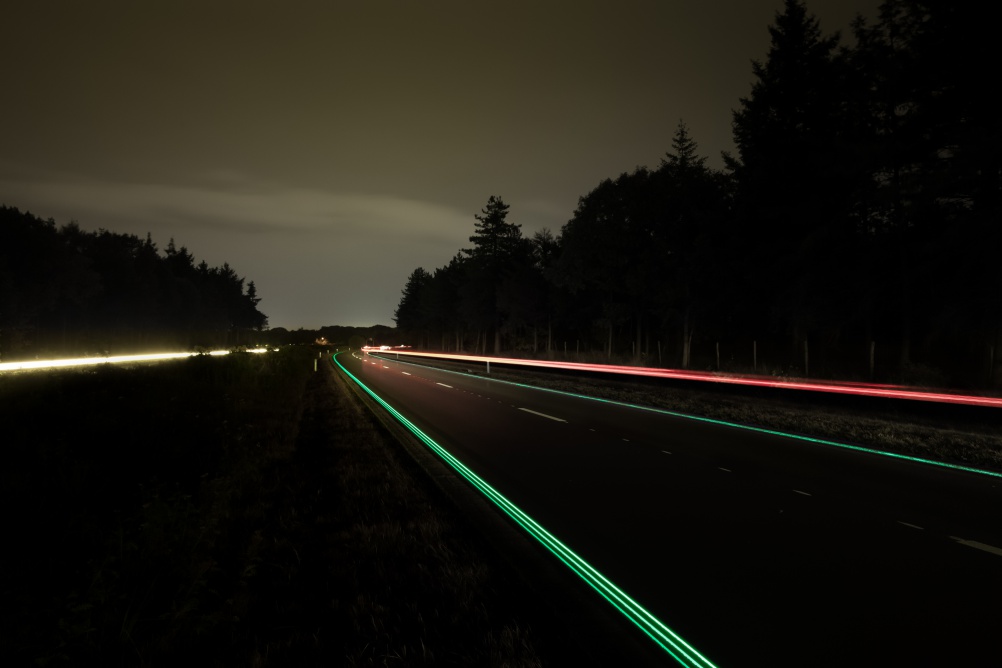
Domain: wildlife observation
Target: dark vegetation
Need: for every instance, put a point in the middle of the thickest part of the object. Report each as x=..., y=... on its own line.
x=855, y=233
x=64, y=291
x=242, y=510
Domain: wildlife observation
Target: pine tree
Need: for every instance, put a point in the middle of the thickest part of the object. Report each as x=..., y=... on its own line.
x=793, y=177
x=497, y=245
x=409, y=315
x=495, y=240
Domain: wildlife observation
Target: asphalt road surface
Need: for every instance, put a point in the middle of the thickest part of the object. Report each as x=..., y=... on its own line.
x=756, y=549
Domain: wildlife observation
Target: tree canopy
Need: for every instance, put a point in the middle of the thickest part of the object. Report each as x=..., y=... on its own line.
x=66, y=290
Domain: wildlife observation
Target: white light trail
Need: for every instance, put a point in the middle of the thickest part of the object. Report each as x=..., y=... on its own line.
x=32, y=365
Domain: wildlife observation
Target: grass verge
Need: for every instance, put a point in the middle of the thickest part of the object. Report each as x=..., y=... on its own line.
x=242, y=510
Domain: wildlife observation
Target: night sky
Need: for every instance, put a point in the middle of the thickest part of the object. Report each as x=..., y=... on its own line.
x=327, y=149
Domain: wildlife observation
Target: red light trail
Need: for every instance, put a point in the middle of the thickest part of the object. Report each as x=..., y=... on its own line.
x=837, y=387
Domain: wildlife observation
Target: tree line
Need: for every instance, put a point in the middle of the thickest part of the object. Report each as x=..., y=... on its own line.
x=63, y=290
x=855, y=232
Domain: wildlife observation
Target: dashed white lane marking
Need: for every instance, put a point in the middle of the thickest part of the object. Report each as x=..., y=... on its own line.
x=980, y=546
x=626, y=440
x=385, y=367
x=556, y=419
x=723, y=469
x=913, y=526
x=666, y=452
x=804, y=493
x=590, y=429
x=444, y=385
x=405, y=373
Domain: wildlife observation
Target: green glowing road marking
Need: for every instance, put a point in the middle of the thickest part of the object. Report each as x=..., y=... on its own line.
x=760, y=430
x=667, y=639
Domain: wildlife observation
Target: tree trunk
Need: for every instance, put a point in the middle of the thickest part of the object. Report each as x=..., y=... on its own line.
x=640, y=330
x=686, y=339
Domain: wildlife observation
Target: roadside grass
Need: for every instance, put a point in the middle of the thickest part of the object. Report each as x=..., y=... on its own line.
x=241, y=510
x=957, y=435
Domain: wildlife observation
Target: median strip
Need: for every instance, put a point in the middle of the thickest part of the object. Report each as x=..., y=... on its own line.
x=746, y=427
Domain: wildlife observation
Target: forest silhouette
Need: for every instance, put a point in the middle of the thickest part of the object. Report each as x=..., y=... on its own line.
x=854, y=233
x=66, y=291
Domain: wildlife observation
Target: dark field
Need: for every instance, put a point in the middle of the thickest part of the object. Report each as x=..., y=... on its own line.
x=240, y=511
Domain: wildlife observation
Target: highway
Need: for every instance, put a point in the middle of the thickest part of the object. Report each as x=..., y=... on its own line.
x=756, y=548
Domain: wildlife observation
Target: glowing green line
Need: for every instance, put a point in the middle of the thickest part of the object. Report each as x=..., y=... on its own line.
x=761, y=430
x=667, y=639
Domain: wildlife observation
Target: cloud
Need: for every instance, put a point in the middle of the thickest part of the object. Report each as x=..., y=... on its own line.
x=297, y=244
x=233, y=205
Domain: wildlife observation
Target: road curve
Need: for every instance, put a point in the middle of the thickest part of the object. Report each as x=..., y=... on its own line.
x=756, y=548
